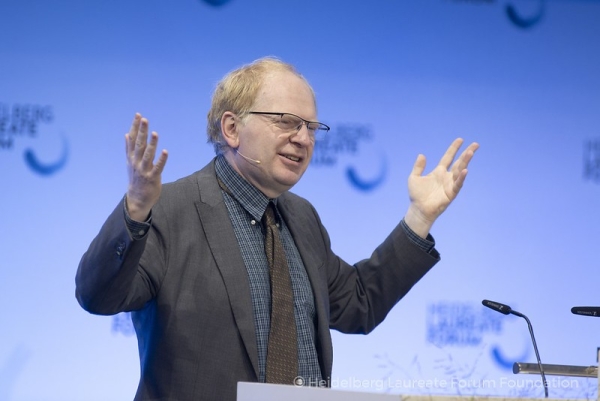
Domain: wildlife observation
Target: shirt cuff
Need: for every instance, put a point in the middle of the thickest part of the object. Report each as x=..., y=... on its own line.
x=137, y=230
x=428, y=244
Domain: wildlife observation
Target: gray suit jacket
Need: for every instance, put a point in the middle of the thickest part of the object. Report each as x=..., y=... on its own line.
x=187, y=286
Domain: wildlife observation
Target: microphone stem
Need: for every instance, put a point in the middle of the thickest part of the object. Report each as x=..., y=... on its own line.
x=535, y=348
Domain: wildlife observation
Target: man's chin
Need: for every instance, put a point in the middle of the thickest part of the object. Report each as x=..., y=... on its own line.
x=287, y=184
x=291, y=178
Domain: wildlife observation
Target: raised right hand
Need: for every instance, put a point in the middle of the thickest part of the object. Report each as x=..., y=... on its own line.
x=144, y=175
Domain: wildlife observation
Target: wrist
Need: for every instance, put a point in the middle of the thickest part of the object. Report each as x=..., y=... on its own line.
x=417, y=222
x=135, y=210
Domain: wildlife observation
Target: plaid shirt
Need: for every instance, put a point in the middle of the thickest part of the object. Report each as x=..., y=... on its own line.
x=246, y=209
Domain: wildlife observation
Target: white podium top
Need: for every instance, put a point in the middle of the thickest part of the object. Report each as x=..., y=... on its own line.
x=280, y=392
x=277, y=392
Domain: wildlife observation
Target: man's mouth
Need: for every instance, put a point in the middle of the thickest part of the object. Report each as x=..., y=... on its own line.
x=292, y=158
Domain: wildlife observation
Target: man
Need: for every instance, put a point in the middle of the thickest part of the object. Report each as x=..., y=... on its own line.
x=202, y=275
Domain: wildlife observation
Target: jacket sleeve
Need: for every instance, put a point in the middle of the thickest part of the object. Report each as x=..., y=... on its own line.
x=361, y=295
x=111, y=277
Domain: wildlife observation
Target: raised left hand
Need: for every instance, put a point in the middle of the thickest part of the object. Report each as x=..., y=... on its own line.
x=431, y=194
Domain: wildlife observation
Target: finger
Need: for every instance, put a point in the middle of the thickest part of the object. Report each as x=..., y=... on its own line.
x=446, y=160
x=465, y=158
x=462, y=162
x=150, y=152
x=473, y=146
x=141, y=139
x=127, y=147
x=419, y=166
x=470, y=151
x=133, y=132
x=160, y=163
x=458, y=183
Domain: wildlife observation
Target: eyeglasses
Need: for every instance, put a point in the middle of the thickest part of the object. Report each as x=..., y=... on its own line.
x=291, y=124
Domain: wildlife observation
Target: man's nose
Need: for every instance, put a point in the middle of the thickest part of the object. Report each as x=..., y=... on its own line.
x=303, y=136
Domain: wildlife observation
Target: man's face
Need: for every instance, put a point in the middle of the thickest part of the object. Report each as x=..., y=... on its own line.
x=283, y=157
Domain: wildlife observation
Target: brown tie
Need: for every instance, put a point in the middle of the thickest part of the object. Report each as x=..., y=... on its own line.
x=282, y=351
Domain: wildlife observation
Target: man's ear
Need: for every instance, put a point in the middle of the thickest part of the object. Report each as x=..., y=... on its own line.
x=229, y=129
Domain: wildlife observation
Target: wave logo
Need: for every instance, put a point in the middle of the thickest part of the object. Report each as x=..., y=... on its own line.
x=528, y=20
x=21, y=121
x=522, y=14
x=216, y=3
x=346, y=139
x=465, y=324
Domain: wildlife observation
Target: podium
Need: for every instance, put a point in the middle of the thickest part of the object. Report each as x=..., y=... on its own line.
x=279, y=392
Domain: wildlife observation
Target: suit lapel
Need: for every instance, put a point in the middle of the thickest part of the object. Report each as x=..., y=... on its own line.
x=222, y=241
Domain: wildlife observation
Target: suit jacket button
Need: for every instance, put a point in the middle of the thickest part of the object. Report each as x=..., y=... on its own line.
x=120, y=248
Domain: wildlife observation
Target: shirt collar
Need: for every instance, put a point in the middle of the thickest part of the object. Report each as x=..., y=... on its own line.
x=246, y=194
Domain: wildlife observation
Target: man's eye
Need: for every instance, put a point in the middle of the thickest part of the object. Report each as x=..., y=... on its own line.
x=287, y=122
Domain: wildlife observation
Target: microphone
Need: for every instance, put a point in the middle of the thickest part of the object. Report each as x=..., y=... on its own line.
x=498, y=307
x=505, y=309
x=586, y=310
x=247, y=158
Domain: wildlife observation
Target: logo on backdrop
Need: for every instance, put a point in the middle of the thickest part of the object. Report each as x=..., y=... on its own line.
x=525, y=21
x=522, y=14
x=346, y=139
x=464, y=324
x=591, y=160
x=26, y=121
x=513, y=9
x=216, y=3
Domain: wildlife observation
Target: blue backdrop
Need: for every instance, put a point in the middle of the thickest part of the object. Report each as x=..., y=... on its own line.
x=393, y=79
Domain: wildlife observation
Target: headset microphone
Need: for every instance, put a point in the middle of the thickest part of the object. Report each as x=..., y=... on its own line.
x=247, y=158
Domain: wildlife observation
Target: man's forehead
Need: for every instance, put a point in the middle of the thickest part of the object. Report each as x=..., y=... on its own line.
x=281, y=85
x=283, y=78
